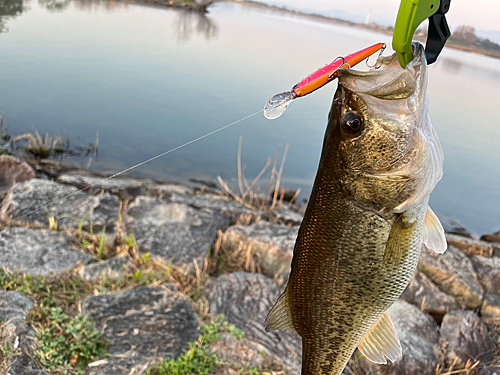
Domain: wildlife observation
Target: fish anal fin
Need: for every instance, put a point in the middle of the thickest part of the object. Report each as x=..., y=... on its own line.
x=398, y=244
x=381, y=342
x=280, y=316
x=433, y=234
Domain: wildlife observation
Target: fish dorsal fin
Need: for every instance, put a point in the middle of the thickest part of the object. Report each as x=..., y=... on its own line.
x=434, y=237
x=381, y=342
x=280, y=316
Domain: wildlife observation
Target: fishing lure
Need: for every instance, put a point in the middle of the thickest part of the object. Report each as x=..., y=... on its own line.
x=277, y=105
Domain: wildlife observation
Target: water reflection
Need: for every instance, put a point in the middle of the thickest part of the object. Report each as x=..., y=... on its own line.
x=184, y=25
x=9, y=9
x=54, y=5
x=462, y=67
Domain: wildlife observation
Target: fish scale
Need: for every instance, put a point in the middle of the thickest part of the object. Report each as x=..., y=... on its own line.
x=360, y=240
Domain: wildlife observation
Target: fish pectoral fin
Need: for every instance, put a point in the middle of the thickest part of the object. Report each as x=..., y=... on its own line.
x=398, y=244
x=433, y=234
x=280, y=316
x=381, y=342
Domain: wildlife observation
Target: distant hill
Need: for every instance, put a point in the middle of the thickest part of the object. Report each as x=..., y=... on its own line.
x=463, y=38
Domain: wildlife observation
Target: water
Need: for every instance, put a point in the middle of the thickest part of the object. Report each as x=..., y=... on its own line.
x=149, y=79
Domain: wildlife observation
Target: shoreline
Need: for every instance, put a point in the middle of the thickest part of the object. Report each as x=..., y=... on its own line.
x=387, y=30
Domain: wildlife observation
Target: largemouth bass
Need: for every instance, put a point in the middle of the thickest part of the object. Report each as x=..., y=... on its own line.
x=367, y=217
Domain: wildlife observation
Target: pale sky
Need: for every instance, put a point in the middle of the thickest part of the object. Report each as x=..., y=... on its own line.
x=482, y=14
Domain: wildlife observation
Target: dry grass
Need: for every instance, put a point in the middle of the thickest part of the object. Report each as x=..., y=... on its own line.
x=256, y=199
x=44, y=146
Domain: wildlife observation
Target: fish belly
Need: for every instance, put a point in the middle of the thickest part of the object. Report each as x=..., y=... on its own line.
x=342, y=280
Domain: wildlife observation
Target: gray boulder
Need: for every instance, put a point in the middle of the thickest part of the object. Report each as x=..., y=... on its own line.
x=14, y=309
x=466, y=337
x=273, y=243
x=122, y=186
x=453, y=226
x=39, y=252
x=454, y=273
x=424, y=294
x=488, y=272
x=419, y=340
x=172, y=230
x=12, y=171
x=245, y=299
x=470, y=246
x=235, y=210
x=287, y=216
x=144, y=324
x=113, y=268
x=36, y=199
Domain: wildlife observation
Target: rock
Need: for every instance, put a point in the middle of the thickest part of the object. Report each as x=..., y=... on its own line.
x=12, y=171
x=208, y=183
x=32, y=200
x=470, y=246
x=419, y=340
x=490, y=308
x=467, y=338
x=245, y=299
x=453, y=226
x=38, y=252
x=273, y=243
x=286, y=216
x=488, y=272
x=234, y=352
x=53, y=167
x=14, y=309
x=454, y=274
x=288, y=194
x=424, y=294
x=145, y=324
x=173, y=231
x=490, y=238
x=236, y=211
x=122, y=186
x=113, y=268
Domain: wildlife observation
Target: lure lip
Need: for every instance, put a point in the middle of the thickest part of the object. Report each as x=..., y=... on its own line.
x=329, y=72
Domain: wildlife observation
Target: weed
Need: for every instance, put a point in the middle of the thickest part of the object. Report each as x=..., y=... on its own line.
x=5, y=350
x=43, y=147
x=256, y=200
x=102, y=243
x=68, y=344
x=197, y=358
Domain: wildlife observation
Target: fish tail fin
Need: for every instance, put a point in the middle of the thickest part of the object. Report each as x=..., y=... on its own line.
x=280, y=316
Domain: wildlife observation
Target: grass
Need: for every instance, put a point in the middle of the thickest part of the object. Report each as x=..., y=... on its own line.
x=67, y=341
x=197, y=359
x=256, y=199
x=45, y=146
x=67, y=344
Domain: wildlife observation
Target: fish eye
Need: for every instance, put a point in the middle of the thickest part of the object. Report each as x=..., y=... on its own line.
x=352, y=123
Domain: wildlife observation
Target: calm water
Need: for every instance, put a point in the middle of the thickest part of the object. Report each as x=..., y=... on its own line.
x=148, y=79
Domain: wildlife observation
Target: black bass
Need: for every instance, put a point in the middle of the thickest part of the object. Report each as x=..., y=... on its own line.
x=367, y=218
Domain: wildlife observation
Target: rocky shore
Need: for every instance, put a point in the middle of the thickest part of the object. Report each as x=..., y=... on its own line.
x=131, y=276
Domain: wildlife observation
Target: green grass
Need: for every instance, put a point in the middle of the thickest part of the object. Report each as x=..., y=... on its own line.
x=67, y=344
x=197, y=358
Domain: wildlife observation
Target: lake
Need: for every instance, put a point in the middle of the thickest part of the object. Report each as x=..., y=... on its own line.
x=149, y=79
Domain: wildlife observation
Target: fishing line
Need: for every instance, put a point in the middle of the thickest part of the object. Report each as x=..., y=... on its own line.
x=151, y=159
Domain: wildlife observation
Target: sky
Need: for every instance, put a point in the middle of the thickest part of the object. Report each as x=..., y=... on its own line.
x=484, y=15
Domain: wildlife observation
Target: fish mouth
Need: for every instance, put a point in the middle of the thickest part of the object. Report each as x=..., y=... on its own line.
x=396, y=100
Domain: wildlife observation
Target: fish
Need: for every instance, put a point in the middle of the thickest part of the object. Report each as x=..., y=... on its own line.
x=367, y=218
